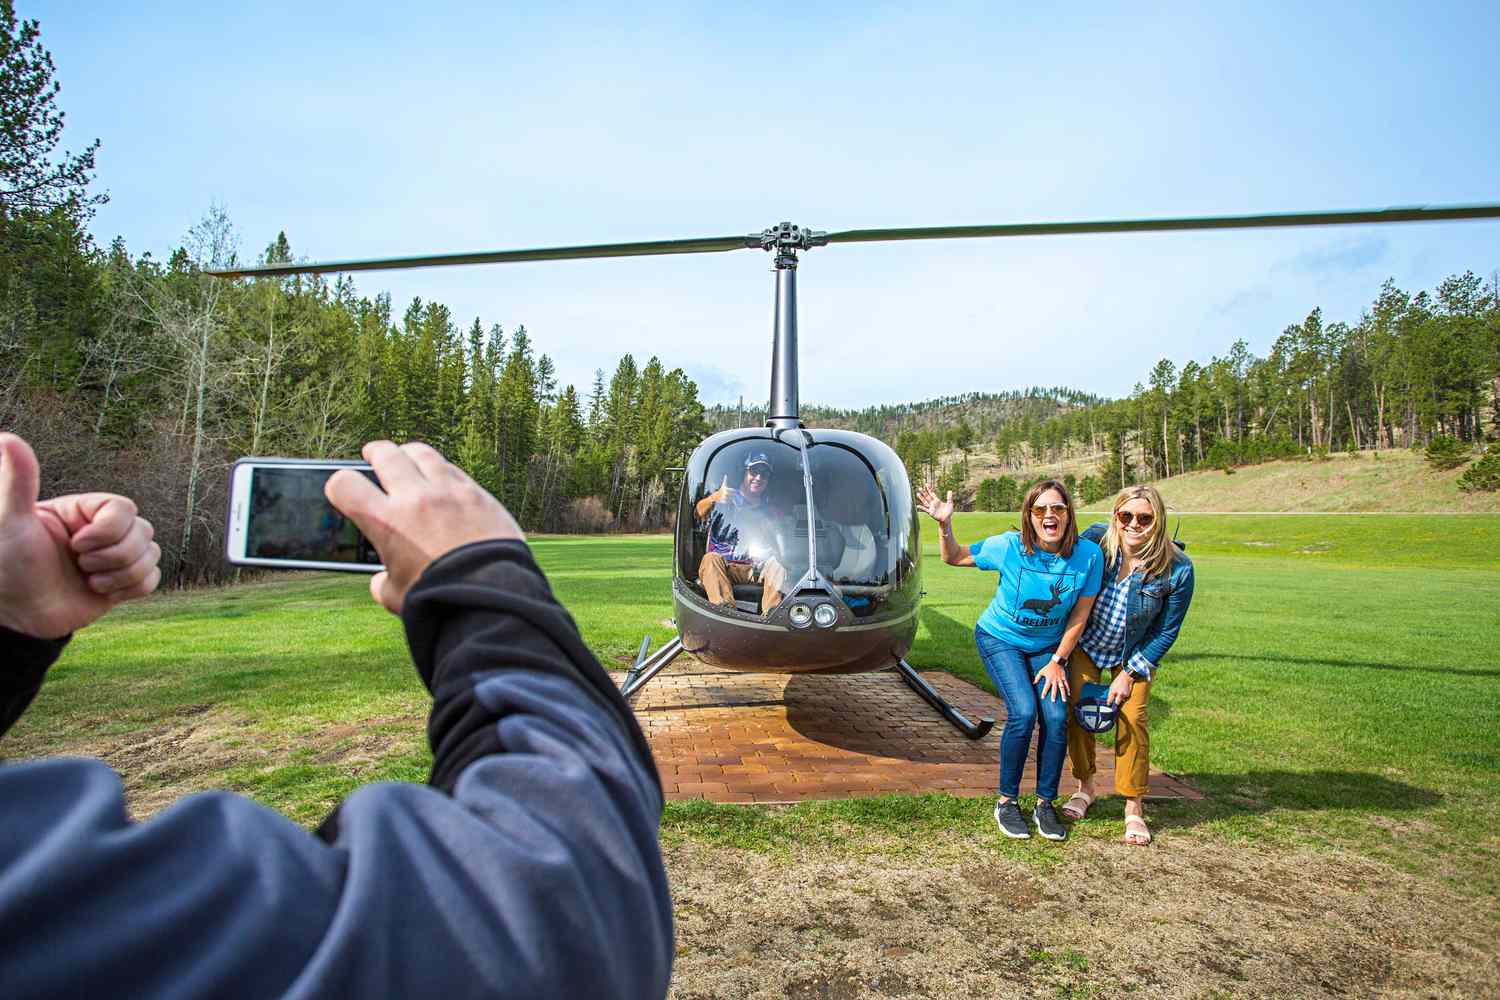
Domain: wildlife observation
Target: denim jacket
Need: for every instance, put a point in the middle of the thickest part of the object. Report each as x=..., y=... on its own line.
x=1153, y=610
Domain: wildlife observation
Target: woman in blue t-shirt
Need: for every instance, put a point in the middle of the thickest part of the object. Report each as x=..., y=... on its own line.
x=1048, y=579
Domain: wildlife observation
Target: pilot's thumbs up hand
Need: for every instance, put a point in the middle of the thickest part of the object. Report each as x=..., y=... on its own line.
x=722, y=493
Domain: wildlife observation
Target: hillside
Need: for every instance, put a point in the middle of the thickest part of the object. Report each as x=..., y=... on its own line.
x=1398, y=480
x=984, y=413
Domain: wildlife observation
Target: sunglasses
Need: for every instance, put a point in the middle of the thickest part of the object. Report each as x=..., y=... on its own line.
x=1043, y=509
x=758, y=471
x=1144, y=520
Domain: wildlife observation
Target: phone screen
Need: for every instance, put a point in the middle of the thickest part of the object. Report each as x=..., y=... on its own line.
x=289, y=518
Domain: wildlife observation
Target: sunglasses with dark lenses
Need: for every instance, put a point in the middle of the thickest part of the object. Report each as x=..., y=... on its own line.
x=1043, y=509
x=1144, y=520
x=760, y=471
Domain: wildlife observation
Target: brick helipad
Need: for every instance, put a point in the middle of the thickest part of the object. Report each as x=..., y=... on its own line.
x=735, y=737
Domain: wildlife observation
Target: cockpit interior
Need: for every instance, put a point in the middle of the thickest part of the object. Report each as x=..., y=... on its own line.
x=764, y=513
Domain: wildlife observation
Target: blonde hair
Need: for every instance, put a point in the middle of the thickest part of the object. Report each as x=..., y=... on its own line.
x=1156, y=555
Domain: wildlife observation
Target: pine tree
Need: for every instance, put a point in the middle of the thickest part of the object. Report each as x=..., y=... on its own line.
x=32, y=178
x=517, y=413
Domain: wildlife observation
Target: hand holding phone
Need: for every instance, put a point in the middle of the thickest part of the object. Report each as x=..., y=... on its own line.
x=424, y=507
x=279, y=517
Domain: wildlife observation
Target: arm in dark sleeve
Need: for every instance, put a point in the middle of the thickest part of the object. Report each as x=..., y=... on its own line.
x=529, y=866
x=23, y=664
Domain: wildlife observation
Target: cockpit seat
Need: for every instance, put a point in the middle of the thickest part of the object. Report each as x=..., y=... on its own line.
x=859, y=556
x=747, y=597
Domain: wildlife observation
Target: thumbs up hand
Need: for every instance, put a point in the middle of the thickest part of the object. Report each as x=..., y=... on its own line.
x=722, y=493
x=68, y=560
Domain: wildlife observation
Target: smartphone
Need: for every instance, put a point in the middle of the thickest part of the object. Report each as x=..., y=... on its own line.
x=279, y=517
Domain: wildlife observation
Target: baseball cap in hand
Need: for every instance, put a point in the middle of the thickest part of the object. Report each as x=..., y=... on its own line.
x=1094, y=712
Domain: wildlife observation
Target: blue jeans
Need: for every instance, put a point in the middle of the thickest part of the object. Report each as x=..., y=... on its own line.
x=1012, y=670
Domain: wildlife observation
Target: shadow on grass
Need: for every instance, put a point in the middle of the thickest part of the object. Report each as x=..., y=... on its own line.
x=1308, y=661
x=306, y=685
x=1259, y=792
x=945, y=635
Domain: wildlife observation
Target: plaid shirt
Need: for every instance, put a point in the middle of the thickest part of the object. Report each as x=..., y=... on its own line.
x=1104, y=636
x=723, y=535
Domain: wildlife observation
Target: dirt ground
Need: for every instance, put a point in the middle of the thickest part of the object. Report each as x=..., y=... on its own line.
x=1192, y=916
x=191, y=753
x=1188, y=917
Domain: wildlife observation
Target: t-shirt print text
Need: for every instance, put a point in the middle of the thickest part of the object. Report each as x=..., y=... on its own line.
x=1047, y=592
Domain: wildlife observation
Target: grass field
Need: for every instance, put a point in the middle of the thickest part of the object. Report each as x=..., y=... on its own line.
x=1332, y=692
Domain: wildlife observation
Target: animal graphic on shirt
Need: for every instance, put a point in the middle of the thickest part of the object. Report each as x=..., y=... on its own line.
x=1044, y=607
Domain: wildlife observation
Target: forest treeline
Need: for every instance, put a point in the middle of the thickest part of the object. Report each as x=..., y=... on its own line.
x=925, y=434
x=1414, y=368
x=984, y=412
x=149, y=378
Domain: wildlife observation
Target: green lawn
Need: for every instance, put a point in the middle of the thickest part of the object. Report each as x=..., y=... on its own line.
x=1334, y=685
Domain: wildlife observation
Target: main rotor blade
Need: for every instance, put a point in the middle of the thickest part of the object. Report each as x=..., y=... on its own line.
x=710, y=245
x=1441, y=213
x=765, y=240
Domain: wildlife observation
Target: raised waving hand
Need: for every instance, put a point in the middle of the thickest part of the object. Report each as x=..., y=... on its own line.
x=940, y=510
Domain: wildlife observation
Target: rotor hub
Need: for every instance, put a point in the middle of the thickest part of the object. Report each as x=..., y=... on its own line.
x=787, y=238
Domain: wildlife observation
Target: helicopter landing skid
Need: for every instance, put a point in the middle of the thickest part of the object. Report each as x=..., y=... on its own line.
x=646, y=667
x=973, y=730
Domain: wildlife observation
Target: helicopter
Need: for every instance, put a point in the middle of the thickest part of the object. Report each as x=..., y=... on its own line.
x=797, y=549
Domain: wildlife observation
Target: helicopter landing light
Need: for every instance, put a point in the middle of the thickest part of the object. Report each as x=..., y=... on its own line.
x=825, y=615
x=801, y=615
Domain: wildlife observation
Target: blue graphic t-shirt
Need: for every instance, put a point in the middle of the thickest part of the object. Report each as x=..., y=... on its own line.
x=1036, y=592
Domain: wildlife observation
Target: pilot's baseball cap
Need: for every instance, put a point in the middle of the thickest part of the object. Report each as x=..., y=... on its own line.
x=757, y=458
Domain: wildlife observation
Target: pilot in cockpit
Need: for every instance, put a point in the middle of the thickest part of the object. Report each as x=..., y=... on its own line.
x=742, y=546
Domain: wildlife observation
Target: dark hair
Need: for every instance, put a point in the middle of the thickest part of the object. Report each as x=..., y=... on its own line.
x=1028, y=530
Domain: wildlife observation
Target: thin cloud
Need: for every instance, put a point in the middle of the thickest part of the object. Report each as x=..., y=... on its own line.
x=715, y=385
x=1348, y=256
x=1244, y=299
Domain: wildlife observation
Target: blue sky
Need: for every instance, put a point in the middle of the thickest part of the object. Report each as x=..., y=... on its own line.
x=368, y=130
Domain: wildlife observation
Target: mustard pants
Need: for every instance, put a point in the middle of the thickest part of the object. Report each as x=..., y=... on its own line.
x=1132, y=742
x=719, y=576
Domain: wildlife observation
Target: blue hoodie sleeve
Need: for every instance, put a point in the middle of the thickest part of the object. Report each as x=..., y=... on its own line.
x=528, y=866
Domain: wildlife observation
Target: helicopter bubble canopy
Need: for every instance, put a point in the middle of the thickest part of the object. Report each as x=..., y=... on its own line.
x=766, y=515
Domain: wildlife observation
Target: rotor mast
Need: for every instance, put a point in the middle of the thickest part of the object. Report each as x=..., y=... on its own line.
x=784, y=241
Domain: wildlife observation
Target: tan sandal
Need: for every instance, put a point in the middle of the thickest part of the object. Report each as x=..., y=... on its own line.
x=1140, y=831
x=1077, y=805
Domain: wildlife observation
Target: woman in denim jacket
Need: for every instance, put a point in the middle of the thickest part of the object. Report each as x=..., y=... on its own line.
x=1148, y=585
